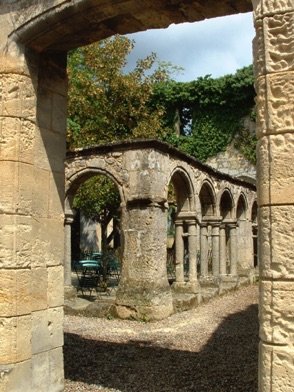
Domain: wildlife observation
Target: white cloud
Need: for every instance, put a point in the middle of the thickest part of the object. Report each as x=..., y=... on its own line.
x=215, y=46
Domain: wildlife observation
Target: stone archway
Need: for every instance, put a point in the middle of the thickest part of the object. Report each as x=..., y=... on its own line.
x=185, y=231
x=34, y=39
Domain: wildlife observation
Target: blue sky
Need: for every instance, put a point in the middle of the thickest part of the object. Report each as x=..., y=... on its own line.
x=214, y=47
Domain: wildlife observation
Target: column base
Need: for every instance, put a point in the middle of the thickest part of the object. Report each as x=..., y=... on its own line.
x=70, y=293
x=229, y=278
x=145, y=301
x=209, y=281
x=228, y=283
x=185, y=287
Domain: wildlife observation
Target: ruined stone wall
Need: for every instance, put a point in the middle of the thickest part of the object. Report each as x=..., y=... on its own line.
x=34, y=36
x=232, y=162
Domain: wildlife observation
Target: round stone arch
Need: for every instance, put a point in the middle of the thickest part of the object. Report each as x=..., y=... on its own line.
x=49, y=27
x=241, y=206
x=75, y=180
x=71, y=186
x=226, y=204
x=182, y=182
x=207, y=198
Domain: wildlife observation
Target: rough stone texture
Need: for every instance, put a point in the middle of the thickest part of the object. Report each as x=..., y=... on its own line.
x=142, y=171
x=275, y=242
x=34, y=36
x=232, y=162
x=276, y=182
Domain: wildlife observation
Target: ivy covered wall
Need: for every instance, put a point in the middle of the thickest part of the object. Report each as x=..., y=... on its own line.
x=204, y=116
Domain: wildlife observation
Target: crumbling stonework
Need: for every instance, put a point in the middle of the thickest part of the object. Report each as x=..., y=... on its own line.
x=208, y=201
x=34, y=38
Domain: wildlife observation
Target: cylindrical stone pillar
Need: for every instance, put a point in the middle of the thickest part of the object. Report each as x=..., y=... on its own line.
x=223, y=250
x=274, y=83
x=215, y=248
x=144, y=291
x=67, y=249
x=233, y=248
x=179, y=251
x=203, y=249
x=192, y=241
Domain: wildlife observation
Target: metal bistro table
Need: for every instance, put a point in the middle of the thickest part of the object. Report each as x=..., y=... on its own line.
x=88, y=274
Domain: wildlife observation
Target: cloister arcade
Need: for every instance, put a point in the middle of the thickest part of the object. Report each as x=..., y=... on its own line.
x=213, y=221
x=34, y=39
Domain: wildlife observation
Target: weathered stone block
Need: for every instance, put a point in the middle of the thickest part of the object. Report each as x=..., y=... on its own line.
x=40, y=372
x=279, y=43
x=39, y=289
x=276, y=312
x=41, y=189
x=56, y=196
x=9, y=131
x=41, y=341
x=56, y=369
x=23, y=240
x=26, y=141
x=8, y=293
x=15, y=346
x=261, y=106
x=23, y=338
x=25, y=192
x=280, y=102
x=48, y=242
x=276, y=225
x=275, y=175
x=8, y=340
x=15, y=292
x=15, y=232
x=59, y=114
x=275, y=368
x=55, y=327
x=18, y=96
x=50, y=151
x=269, y=7
x=9, y=172
x=12, y=374
x=24, y=295
x=44, y=112
x=55, y=286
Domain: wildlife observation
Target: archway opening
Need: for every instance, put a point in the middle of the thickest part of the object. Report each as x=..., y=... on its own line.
x=254, y=216
x=95, y=232
x=179, y=206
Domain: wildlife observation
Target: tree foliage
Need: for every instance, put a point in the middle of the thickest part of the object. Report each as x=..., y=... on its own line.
x=204, y=116
x=105, y=104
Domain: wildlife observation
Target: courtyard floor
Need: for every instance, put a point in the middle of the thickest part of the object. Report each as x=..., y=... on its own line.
x=213, y=348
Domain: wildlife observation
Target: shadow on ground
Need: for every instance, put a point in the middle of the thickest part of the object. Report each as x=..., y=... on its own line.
x=227, y=363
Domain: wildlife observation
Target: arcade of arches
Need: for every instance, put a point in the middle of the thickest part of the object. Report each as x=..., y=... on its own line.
x=34, y=38
x=214, y=215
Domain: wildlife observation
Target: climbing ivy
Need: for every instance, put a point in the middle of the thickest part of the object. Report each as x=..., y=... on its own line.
x=205, y=115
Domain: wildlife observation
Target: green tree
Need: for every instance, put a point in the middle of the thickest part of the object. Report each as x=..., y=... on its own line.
x=204, y=116
x=98, y=198
x=105, y=104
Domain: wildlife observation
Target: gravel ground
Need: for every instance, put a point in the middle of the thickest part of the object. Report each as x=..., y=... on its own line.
x=213, y=348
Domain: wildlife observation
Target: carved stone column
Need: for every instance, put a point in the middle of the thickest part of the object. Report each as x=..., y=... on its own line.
x=192, y=250
x=203, y=249
x=144, y=291
x=215, y=248
x=69, y=218
x=223, y=249
x=179, y=251
x=274, y=72
x=233, y=248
